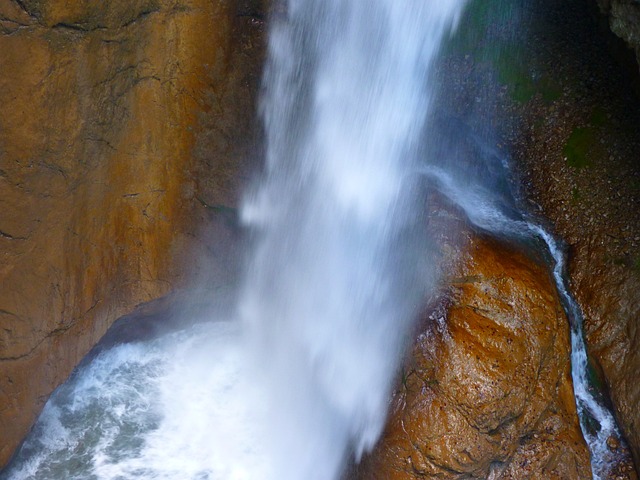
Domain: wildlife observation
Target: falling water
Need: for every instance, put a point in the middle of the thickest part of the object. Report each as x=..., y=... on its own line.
x=338, y=270
x=337, y=273
x=336, y=279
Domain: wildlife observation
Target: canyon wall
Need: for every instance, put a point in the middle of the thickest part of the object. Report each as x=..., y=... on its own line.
x=126, y=131
x=123, y=126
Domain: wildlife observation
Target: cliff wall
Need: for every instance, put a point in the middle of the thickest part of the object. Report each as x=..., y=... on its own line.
x=123, y=126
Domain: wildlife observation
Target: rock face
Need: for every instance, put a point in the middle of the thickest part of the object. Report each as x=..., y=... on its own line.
x=579, y=157
x=486, y=392
x=119, y=122
x=624, y=21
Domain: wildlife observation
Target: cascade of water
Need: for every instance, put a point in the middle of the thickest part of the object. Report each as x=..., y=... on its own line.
x=334, y=282
x=488, y=212
x=596, y=421
x=336, y=276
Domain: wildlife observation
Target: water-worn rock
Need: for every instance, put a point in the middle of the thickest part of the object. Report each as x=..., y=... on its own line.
x=624, y=21
x=578, y=154
x=119, y=121
x=486, y=392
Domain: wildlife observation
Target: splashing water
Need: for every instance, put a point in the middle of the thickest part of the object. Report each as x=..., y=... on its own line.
x=337, y=273
x=334, y=283
x=336, y=277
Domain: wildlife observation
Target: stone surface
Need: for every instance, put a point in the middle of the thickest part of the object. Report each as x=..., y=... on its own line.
x=624, y=21
x=486, y=391
x=579, y=158
x=119, y=122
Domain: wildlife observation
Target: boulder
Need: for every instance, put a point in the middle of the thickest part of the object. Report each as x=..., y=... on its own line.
x=486, y=391
x=624, y=21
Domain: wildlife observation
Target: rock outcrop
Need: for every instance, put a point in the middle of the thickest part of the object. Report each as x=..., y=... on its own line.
x=123, y=126
x=578, y=154
x=486, y=392
x=624, y=21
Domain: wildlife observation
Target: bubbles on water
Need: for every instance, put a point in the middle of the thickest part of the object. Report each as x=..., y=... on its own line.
x=180, y=407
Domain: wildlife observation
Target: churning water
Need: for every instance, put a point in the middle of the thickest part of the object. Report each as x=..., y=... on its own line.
x=299, y=379
x=336, y=277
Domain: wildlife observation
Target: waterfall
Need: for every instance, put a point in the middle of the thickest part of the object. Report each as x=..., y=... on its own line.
x=596, y=421
x=297, y=379
x=491, y=213
x=337, y=275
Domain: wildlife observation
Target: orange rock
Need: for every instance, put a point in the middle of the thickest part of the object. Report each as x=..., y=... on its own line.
x=486, y=392
x=118, y=122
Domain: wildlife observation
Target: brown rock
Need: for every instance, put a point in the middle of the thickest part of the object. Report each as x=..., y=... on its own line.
x=487, y=391
x=593, y=203
x=613, y=443
x=624, y=21
x=108, y=111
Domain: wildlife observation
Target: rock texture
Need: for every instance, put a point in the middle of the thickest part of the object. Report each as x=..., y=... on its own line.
x=579, y=158
x=624, y=21
x=123, y=126
x=486, y=392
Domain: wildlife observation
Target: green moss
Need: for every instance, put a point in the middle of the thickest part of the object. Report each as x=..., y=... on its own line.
x=517, y=77
x=598, y=117
x=523, y=78
x=579, y=147
x=575, y=193
x=549, y=89
x=470, y=34
x=511, y=60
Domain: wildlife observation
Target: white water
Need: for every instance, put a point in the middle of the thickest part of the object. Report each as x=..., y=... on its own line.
x=301, y=379
x=182, y=407
x=484, y=210
x=589, y=407
x=336, y=277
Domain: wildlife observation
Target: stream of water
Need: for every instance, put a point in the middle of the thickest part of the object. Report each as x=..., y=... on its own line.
x=296, y=381
x=337, y=274
x=497, y=214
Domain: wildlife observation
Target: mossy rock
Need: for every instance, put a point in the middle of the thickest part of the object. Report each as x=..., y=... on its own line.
x=579, y=147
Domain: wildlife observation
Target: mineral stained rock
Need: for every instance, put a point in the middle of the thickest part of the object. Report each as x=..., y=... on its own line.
x=486, y=391
x=578, y=155
x=123, y=128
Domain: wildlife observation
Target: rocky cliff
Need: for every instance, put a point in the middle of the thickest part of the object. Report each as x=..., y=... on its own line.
x=126, y=128
x=123, y=126
x=579, y=157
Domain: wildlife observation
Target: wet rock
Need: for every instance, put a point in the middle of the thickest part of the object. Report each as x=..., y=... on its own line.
x=613, y=443
x=486, y=391
x=592, y=202
x=624, y=21
x=119, y=122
